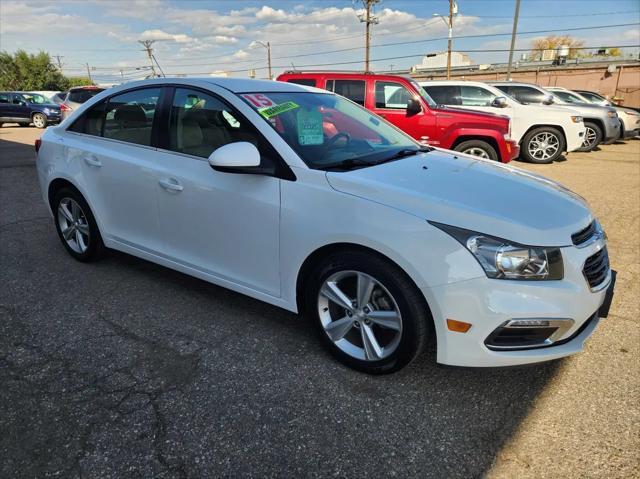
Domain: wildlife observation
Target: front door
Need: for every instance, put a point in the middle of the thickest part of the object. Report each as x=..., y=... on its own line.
x=390, y=102
x=223, y=224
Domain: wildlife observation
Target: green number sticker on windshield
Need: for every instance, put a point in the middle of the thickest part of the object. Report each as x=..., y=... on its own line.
x=309, y=127
x=271, y=111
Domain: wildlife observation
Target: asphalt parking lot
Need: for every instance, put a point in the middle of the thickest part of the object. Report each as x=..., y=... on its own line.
x=126, y=369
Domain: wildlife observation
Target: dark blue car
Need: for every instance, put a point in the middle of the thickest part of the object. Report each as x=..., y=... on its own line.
x=26, y=108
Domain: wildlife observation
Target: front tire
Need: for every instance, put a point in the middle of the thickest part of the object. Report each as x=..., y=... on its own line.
x=368, y=313
x=478, y=148
x=76, y=226
x=39, y=120
x=592, y=136
x=542, y=145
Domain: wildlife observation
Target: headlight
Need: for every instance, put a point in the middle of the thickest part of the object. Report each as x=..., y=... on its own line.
x=576, y=119
x=502, y=259
x=612, y=114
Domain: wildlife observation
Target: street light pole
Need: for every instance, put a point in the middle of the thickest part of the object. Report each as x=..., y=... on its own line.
x=268, y=47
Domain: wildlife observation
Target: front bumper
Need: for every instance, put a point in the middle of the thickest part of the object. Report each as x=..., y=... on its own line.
x=575, y=136
x=509, y=150
x=487, y=304
x=611, y=129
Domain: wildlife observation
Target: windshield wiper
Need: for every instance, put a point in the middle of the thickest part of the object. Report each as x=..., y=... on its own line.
x=404, y=153
x=350, y=163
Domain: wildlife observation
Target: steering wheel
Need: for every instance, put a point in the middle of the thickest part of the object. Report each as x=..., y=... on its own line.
x=332, y=141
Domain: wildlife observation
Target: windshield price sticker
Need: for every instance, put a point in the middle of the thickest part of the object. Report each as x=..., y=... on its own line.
x=310, y=127
x=259, y=100
x=270, y=112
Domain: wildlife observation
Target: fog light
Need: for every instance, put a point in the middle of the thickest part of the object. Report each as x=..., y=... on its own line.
x=458, y=326
x=529, y=323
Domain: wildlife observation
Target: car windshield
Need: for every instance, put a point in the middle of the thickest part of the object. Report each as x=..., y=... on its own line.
x=425, y=96
x=568, y=96
x=35, y=98
x=331, y=132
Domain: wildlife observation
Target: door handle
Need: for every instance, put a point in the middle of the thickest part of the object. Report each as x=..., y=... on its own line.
x=92, y=161
x=170, y=184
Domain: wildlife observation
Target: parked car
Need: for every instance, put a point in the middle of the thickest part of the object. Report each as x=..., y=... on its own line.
x=401, y=101
x=25, y=108
x=305, y=200
x=629, y=118
x=59, y=97
x=76, y=96
x=48, y=94
x=601, y=123
x=543, y=133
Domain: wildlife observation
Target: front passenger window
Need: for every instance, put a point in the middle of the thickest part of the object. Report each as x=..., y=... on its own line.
x=129, y=117
x=200, y=124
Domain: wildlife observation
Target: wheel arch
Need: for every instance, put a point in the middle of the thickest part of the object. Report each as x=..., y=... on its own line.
x=488, y=139
x=598, y=122
x=57, y=184
x=318, y=255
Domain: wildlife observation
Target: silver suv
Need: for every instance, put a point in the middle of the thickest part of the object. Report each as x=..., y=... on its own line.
x=76, y=97
x=601, y=122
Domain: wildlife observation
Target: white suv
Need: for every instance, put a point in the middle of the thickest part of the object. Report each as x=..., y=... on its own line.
x=543, y=132
x=303, y=199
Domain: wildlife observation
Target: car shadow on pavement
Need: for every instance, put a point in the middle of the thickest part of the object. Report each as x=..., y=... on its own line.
x=13, y=153
x=123, y=368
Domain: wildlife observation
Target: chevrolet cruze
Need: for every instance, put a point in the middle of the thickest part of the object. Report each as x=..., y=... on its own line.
x=303, y=199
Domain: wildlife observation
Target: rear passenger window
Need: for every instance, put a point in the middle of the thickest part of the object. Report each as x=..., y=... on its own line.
x=351, y=89
x=303, y=81
x=4, y=98
x=391, y=95
x=444, y=94
x=200, y=124
x=129, y=117
x=476, y=96
x=91, y=122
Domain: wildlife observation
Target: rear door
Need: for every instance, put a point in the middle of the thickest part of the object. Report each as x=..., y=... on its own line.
x=113, y=146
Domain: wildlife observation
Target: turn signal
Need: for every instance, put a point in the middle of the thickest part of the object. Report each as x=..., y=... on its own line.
x=458, y=326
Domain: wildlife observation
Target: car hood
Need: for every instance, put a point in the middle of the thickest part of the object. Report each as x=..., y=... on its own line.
x=472, y=193
x=587, y=108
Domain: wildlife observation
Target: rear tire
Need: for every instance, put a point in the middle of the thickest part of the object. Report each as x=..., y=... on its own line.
x=393, y=312
x=478, y=148
x=542, y=145
x=76, y=225
x=592, y=136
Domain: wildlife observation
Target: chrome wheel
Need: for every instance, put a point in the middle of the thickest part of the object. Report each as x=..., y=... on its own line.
x=475, y=151
x=543, y=146
x=39, y=120
x=590, y=137
x=73, y=225
x=359, y=315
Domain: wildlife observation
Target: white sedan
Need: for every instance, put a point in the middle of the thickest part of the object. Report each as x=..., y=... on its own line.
x=305, y=200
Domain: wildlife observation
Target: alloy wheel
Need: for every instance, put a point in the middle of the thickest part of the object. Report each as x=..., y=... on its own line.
x=475, y=151
x=73, y=225
x=543, y=146
x=39, y=120
x=590, y=137
x=359, y=315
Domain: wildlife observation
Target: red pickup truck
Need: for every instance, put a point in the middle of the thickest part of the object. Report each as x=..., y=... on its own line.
x=401, y=101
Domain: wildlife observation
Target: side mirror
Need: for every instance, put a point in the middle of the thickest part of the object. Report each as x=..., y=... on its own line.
x=239, y=157
x=500, y=102
x=548, y=100
x=413, y=106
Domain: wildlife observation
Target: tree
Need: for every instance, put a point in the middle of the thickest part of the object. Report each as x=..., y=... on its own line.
x=25, y=72
x=552, y=42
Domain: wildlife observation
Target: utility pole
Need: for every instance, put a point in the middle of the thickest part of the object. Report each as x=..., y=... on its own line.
x=513, y=38
x=147, y=46
x=367, y=19
x=452, y=7
x=89, y=73
x=268, y=47
x=59, y=61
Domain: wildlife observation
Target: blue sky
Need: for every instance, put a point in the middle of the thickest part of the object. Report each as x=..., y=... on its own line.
x=202, y=37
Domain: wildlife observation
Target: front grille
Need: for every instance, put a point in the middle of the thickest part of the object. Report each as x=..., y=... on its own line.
x=584, y=234
x=596, y=268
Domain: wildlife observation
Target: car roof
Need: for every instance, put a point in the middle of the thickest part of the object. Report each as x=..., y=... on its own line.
x=235, y=85
x=514, y=83
x=358, y=75
x=453, y=82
